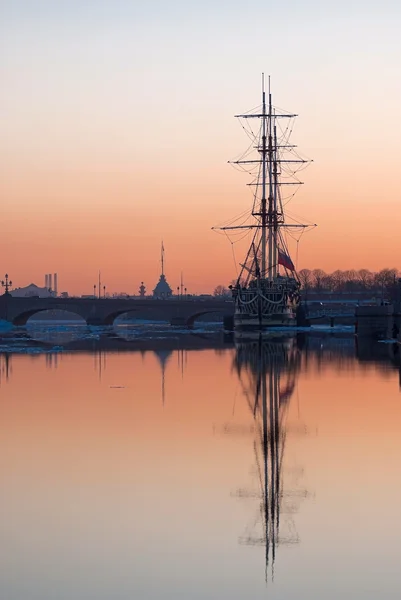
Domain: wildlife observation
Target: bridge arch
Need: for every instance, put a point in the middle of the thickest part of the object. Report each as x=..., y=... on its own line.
x=23, y=317
x=110, y=318
x=191, y=320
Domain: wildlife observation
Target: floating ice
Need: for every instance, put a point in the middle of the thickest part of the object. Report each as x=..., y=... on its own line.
x=33, y=350
x=139, y=322
x=5, y=325
x=311, y=329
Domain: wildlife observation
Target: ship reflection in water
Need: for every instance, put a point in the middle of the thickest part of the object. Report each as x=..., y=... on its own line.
x=267, y=370
x=197, y=466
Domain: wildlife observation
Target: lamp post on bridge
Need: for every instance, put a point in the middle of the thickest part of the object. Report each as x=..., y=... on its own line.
x=94, y=290
x=6, y=283
x=104, y=291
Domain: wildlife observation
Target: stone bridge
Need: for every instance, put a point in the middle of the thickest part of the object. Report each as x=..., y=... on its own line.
x=103, y=311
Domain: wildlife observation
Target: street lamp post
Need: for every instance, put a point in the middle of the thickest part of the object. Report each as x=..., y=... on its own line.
x=6, y=283
x=94, y=290
x=104, y=291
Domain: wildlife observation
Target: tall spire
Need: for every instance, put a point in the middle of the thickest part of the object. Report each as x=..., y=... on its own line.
x=162, y=289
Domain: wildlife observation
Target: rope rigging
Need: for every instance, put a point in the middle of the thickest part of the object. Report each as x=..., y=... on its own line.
x=274, y=170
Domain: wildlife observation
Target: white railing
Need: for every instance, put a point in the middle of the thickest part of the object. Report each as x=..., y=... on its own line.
x=329, y=312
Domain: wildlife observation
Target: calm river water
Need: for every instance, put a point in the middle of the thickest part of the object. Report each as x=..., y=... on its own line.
x=201, y=470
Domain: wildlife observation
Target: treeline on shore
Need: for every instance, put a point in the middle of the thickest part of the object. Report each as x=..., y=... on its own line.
x=381, y=283
x=363, y=280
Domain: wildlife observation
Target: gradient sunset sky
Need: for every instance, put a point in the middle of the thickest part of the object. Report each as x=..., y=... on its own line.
x=117, y=125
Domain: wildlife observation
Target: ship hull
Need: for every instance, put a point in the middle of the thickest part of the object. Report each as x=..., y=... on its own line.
x=271, y=306
x=252, y=322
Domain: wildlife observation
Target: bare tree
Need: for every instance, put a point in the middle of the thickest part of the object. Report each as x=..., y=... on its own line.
x=306, y=279
x=220, y=291
x=384, y=279
x=350, y=283
x=338, y=280
x=365, y=277
x=318, y=277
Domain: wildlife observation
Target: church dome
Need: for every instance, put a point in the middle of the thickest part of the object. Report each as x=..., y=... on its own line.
x=162, y=289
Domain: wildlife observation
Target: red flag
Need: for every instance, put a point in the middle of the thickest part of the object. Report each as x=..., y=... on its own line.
x=285, y=260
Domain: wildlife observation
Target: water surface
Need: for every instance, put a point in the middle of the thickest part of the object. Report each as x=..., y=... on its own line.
x=237, y=471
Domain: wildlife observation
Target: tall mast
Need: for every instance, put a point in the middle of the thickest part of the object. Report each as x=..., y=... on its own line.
x=271, y=193
x=267, y=208
x=264, y=152
x=274, y=253
x=162, y=258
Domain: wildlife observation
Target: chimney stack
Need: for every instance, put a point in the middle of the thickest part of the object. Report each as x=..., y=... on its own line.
x=46, y=281
x=55, y=283
x=50, y=281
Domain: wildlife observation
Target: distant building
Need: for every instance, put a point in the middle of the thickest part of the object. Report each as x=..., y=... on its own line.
x=142, y=290
x=51, y=282
x=31, y=291
x=162, y=289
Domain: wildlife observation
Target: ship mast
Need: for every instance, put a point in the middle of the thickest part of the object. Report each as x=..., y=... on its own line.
x=269, y=217
x=274, y=229
x=263, y=152
x=271, y=192
x=272, y=217
x=269, y=168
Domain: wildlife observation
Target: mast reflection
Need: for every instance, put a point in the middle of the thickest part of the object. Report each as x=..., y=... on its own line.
x=5, y=366
x=267, y=371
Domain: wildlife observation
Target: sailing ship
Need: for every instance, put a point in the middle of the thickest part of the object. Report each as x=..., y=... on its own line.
x=267, y=291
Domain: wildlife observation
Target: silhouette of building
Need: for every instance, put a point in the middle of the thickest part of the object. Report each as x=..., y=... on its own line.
x=32, y=290
x=49, y=282
x=162, y=289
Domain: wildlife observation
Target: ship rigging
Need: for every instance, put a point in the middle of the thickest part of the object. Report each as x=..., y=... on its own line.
x=267, y=290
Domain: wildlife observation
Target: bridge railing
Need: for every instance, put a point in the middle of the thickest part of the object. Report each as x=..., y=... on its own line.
x=330, y=312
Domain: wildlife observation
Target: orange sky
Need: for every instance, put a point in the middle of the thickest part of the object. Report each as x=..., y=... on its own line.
x=117, y=131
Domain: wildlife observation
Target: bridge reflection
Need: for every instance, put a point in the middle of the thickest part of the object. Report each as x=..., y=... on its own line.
x=163, y=356
x=317, y=351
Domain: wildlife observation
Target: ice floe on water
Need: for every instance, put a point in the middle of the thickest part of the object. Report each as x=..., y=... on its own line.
x=139, y=322
x=161, y=329
x=48, y=337
x=4, y=349
x=327, y=328
x=312, y=329
x=5, y=325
